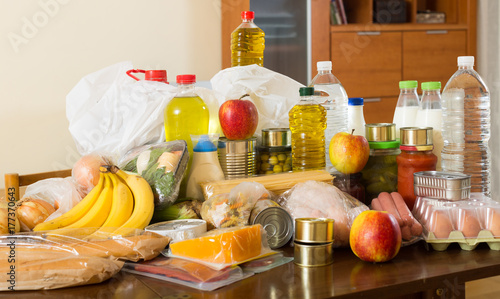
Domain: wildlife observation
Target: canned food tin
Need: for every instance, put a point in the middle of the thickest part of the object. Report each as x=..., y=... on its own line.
x=308, y=255
x=275, y=220
x=237, y=158
x=314, y=230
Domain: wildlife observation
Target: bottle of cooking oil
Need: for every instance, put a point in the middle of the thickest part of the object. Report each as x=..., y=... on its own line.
x=247, y=42
x=186, y=114
x=307, y=124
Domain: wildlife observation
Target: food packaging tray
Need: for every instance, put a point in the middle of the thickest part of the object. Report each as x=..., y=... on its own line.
x=442, y=185
x=467, y=222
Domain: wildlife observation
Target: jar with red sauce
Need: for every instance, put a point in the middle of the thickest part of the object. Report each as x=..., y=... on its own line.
x=350, y=184
x=416, y=155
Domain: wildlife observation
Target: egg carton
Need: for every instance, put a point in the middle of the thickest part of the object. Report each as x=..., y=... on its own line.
x=468, y=222
x=441, y=244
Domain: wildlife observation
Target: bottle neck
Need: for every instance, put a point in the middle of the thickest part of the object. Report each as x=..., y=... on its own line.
x=324, y=72
x=408, y=91
x=248, y=21
x=185, y=89
x=465, y=67
x=431, y=92
x=307, y=100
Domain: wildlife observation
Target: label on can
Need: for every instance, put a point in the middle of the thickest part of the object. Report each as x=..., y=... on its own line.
x=275, y=220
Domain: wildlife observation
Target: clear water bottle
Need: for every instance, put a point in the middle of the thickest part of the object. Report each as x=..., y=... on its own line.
x=466, y=126
x=407, y=106
x=429, y=114
x=330, y=94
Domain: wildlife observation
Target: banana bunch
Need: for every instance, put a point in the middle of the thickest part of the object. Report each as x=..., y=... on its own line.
x=118, y=204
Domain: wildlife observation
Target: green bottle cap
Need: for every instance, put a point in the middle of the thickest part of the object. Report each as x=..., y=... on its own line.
x=306, y=91
x=431, y=85
x=408, y=84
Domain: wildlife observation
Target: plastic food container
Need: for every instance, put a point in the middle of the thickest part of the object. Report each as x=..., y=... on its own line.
x=179, y=230
x=442, y=185
x=466, y=222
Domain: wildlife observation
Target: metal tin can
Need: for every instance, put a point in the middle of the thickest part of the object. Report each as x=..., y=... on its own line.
x=237, y=158
x=275, y=152
x=309, y=255
x=275, y=220
x=314, y=230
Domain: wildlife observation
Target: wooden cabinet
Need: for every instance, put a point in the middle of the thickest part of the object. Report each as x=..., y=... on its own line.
x=431, y=55
x=370, y=58
x=368, y=63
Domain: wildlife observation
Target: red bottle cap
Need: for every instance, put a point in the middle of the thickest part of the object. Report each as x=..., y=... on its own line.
x=186, y=79
x=152, y=75
x=156, y=75
x=247, y=15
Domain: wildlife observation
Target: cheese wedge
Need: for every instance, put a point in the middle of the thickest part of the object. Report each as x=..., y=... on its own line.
x=223, y=246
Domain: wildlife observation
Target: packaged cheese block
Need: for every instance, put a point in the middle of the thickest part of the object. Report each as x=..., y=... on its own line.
x=222, y=246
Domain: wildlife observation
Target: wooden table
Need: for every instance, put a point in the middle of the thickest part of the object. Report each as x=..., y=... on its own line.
x=416, y=270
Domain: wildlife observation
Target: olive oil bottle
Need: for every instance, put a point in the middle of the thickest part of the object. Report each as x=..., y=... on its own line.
x=307, y=124
x=247, y=42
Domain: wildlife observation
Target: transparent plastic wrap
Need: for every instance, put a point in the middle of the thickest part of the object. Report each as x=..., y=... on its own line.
x=233, y=208
x=33, y=262
x=137, y=245
x=162, y=165
x=224, y=247
x=187, y=273
x=46, y=200
x=314, y=199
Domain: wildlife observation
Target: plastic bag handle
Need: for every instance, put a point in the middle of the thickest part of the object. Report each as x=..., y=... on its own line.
x=135, y=71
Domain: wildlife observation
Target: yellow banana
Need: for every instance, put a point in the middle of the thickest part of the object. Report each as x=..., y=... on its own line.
x=122, y=205
x=143, y=203
x=99, y=212
x=77, y=212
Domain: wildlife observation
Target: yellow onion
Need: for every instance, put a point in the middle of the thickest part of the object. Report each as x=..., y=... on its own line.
x=5, y=218
x=86, y=171
x=33, y=211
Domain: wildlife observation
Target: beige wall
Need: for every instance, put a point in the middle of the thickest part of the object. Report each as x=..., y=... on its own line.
x=47, y=46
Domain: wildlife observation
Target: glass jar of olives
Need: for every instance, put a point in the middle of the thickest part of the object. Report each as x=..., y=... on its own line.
x=275, y=152
x=381, y=171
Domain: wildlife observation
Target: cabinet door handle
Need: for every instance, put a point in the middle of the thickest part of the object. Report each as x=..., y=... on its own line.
x=372, y=100
x=437, y=31
x=368, y=32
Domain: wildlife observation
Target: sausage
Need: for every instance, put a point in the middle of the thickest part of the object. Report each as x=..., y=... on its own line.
x=416, y=228
x=406, y=232
x=388, y=205
x=376, y=205
x=402, y=208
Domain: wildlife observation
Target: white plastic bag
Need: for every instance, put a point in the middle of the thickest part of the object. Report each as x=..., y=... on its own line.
x=272, y=93
x=111, y=113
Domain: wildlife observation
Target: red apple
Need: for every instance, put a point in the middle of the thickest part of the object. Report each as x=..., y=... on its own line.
x=238, y=118
x=375, y=236
x=348, y=152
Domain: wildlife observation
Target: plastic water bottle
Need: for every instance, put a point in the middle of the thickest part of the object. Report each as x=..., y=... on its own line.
x=247, y=42
x=407, y=106
x=356, y=118
x=429, y=114
x=466, y=126
x=307, y=124
x=330, y=94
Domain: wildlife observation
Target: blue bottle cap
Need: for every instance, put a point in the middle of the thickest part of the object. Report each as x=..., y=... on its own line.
x=355, y=101
x=204, y=145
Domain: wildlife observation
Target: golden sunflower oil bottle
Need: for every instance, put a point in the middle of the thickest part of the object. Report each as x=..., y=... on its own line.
x=247, y=42
x=307, y=124
x=186, y=114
